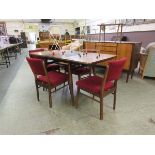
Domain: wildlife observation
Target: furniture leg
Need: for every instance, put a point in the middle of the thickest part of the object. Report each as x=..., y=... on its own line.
x=37, y=89
x=101, y=108
x=93, y=69
x=79, y=77
x=71, y=84
x=128, y=74
x=50, y=97
x=114, y=104
x=77, y=98
x=132, y=73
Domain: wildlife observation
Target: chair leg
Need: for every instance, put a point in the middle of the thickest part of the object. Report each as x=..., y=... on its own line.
x=37, y=89
x=132, y=73
x=101, y=108
x=71, y=93
x=93, y=68
x=114, y=104
x=77, y=98
x=79, y=77
x=50, y=97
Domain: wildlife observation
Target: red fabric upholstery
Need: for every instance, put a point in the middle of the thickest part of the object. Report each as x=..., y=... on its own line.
x=50, y=67
x=92, y=84
x=53, y=66
x=36, y=50
x=36, y=66
x=81, y=71
x=78, y=70
x=115, y=69
x=56, y=78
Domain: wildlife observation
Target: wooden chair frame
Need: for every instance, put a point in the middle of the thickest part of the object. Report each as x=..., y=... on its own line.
x=102, y=94
x=49, y=86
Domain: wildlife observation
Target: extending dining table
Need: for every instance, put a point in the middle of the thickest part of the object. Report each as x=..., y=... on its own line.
x=71, y=57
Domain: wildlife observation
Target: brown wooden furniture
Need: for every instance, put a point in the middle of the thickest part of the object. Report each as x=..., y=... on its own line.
x=72, y=57
x=48, y=80
x=7, y=51
x=46, y=43
x=44, y=35
x=121, y=49
x=101, y=87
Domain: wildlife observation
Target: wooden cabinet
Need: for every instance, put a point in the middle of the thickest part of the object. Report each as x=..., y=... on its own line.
x=130, y=50
x=125, y=50
x=44, y=35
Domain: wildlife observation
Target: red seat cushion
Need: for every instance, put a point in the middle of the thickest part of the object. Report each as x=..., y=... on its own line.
x=92, y=84
x=81, y=71
x=56, y=78
x=53, y=66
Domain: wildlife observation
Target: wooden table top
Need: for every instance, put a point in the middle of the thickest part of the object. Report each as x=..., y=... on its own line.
x=74, y=56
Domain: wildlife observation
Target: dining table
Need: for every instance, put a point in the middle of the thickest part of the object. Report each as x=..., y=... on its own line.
x=4, y=53
x=74, y=57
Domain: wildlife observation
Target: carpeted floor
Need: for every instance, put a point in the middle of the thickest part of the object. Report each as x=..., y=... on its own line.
x=20, y=113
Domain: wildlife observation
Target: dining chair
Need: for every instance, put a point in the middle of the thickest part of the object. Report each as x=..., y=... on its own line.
x=102, y=86
x=48, y=80
x=81, y=71
x=49, y=65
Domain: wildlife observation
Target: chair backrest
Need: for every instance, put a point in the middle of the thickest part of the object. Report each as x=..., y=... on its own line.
x=36, y=50
x=115, y=69
x=37, y=66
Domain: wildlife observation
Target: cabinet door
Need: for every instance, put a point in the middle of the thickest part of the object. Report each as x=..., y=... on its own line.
x=125, y=50
x=107, y=48
x=89, y=45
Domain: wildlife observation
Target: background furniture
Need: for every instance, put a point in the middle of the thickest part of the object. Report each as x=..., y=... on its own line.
x=142, y=60
x=7, y=51
x=130, y=50
x=24, y=40
x=76, y=45
x=149, y=64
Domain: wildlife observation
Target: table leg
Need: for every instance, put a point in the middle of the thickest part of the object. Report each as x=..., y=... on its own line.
x=71, y=84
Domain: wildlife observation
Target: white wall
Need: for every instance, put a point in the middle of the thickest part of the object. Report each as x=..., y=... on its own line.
x=11, y=26
x=58, y=28
x=53, y=28
x=95, y=29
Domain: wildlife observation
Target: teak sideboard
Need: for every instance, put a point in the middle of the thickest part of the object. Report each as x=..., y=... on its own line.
x=130, y=50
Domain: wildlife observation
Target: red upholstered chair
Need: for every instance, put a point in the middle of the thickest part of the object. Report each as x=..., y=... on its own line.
x=50, y=66
x=101, y=87
x=79, y=70
x=46, y=79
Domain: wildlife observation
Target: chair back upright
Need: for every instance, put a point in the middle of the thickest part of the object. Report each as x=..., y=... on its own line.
x=113, y=72
x=36, y=50
x=37, y=66
x=115, y=69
